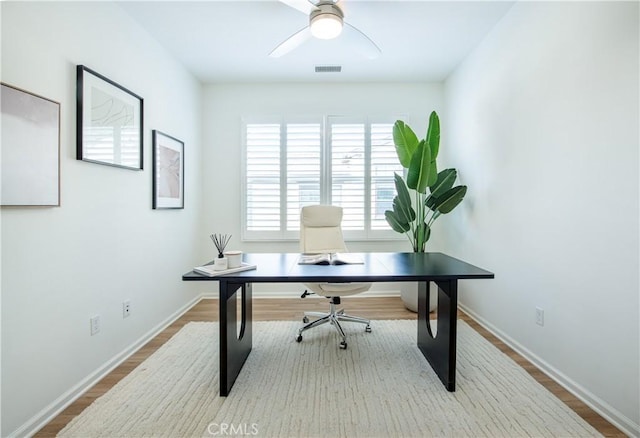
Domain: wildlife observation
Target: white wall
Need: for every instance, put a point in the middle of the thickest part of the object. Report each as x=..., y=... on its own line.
x=542, y=122
x=226, y=104
x=104, y=244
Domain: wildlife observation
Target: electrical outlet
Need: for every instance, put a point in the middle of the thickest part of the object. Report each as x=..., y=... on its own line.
x=126, y=308
x=94, y=322
x=539, y=316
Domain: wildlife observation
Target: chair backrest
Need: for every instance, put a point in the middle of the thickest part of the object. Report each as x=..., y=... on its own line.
x=320, y=230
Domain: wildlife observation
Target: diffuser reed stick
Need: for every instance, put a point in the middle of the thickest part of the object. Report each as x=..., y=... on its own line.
x=220, y=241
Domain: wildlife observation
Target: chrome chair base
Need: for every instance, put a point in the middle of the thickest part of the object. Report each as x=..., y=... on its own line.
x=333, y=317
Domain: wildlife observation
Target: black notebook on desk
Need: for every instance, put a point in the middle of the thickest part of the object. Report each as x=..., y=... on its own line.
x=336, y=258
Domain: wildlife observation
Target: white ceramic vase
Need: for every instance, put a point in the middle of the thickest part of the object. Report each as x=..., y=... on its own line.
x=410, y=298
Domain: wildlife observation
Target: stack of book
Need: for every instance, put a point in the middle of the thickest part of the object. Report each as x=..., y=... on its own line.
x=330, y=259
x=210, y=272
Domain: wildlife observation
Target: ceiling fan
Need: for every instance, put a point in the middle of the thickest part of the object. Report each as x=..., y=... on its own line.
x=326, y=21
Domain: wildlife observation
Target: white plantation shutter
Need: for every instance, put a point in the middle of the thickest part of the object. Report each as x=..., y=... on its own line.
x=347, y=162
x=303, y=169
x=384, y=162
x=348, y=172
x=262, y=177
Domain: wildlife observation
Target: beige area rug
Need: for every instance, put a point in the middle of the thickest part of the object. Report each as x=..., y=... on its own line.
x=381, y=386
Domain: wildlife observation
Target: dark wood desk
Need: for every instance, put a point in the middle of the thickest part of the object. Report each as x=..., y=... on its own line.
x=441, y=269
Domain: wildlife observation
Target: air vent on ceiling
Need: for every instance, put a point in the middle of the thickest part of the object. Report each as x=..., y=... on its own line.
x=328, y=68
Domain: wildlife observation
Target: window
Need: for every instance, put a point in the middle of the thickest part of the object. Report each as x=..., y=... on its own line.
x=333, y=160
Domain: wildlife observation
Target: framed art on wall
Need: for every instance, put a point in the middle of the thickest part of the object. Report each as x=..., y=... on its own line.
x=168, y=171
x=30, y=149
x=109, y=121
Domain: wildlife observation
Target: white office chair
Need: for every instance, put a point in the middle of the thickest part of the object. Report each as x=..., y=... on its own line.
x=320, y=233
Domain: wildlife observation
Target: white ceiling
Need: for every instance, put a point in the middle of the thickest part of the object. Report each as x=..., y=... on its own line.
x=223, y=41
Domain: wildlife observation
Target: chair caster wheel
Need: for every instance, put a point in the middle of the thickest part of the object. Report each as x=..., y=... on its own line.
x=305, y=320
x=299, y=338
x=367, y=329
x=343, y=345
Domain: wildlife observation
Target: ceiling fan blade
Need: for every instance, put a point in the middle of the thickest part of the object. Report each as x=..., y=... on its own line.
x=291, y=43
x=361, y=42
x=304, y=6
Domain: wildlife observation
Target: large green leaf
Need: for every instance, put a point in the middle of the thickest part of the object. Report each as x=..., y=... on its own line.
x=404, y=214
x=433, y=135
x=444, y=182
x=433, y=173
x=402, y=202
x=431, y=202
x=433, y=140
x=401, y=190
x=419, y=168
x=450, y=199
x=396, y=225
x=405, y=141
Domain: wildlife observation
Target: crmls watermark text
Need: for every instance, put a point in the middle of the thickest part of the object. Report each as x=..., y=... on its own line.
x=226, y=429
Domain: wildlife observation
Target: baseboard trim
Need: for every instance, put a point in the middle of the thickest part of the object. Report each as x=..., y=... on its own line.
x=615, y=417
x=42, y=418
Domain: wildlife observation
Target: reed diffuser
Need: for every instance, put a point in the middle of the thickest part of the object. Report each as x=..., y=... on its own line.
x=220, y=241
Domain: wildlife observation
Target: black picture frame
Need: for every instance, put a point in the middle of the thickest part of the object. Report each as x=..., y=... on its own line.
x=168, y=171
x=109, y=121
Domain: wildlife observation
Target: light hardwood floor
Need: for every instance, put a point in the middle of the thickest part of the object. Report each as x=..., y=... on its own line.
x=265, y=309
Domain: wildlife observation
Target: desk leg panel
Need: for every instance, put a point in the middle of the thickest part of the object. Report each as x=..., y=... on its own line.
x=440, y=351
x=235, y=342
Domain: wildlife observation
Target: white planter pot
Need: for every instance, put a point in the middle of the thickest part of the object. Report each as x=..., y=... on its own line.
x=410, y=298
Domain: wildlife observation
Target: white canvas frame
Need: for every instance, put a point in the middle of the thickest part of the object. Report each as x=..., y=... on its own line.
x=30, y=159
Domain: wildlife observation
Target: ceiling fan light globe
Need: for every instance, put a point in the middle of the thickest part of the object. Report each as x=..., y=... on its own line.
x=326, y=26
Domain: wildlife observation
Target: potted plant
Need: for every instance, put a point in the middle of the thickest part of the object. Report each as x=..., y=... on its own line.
x=426, y=194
